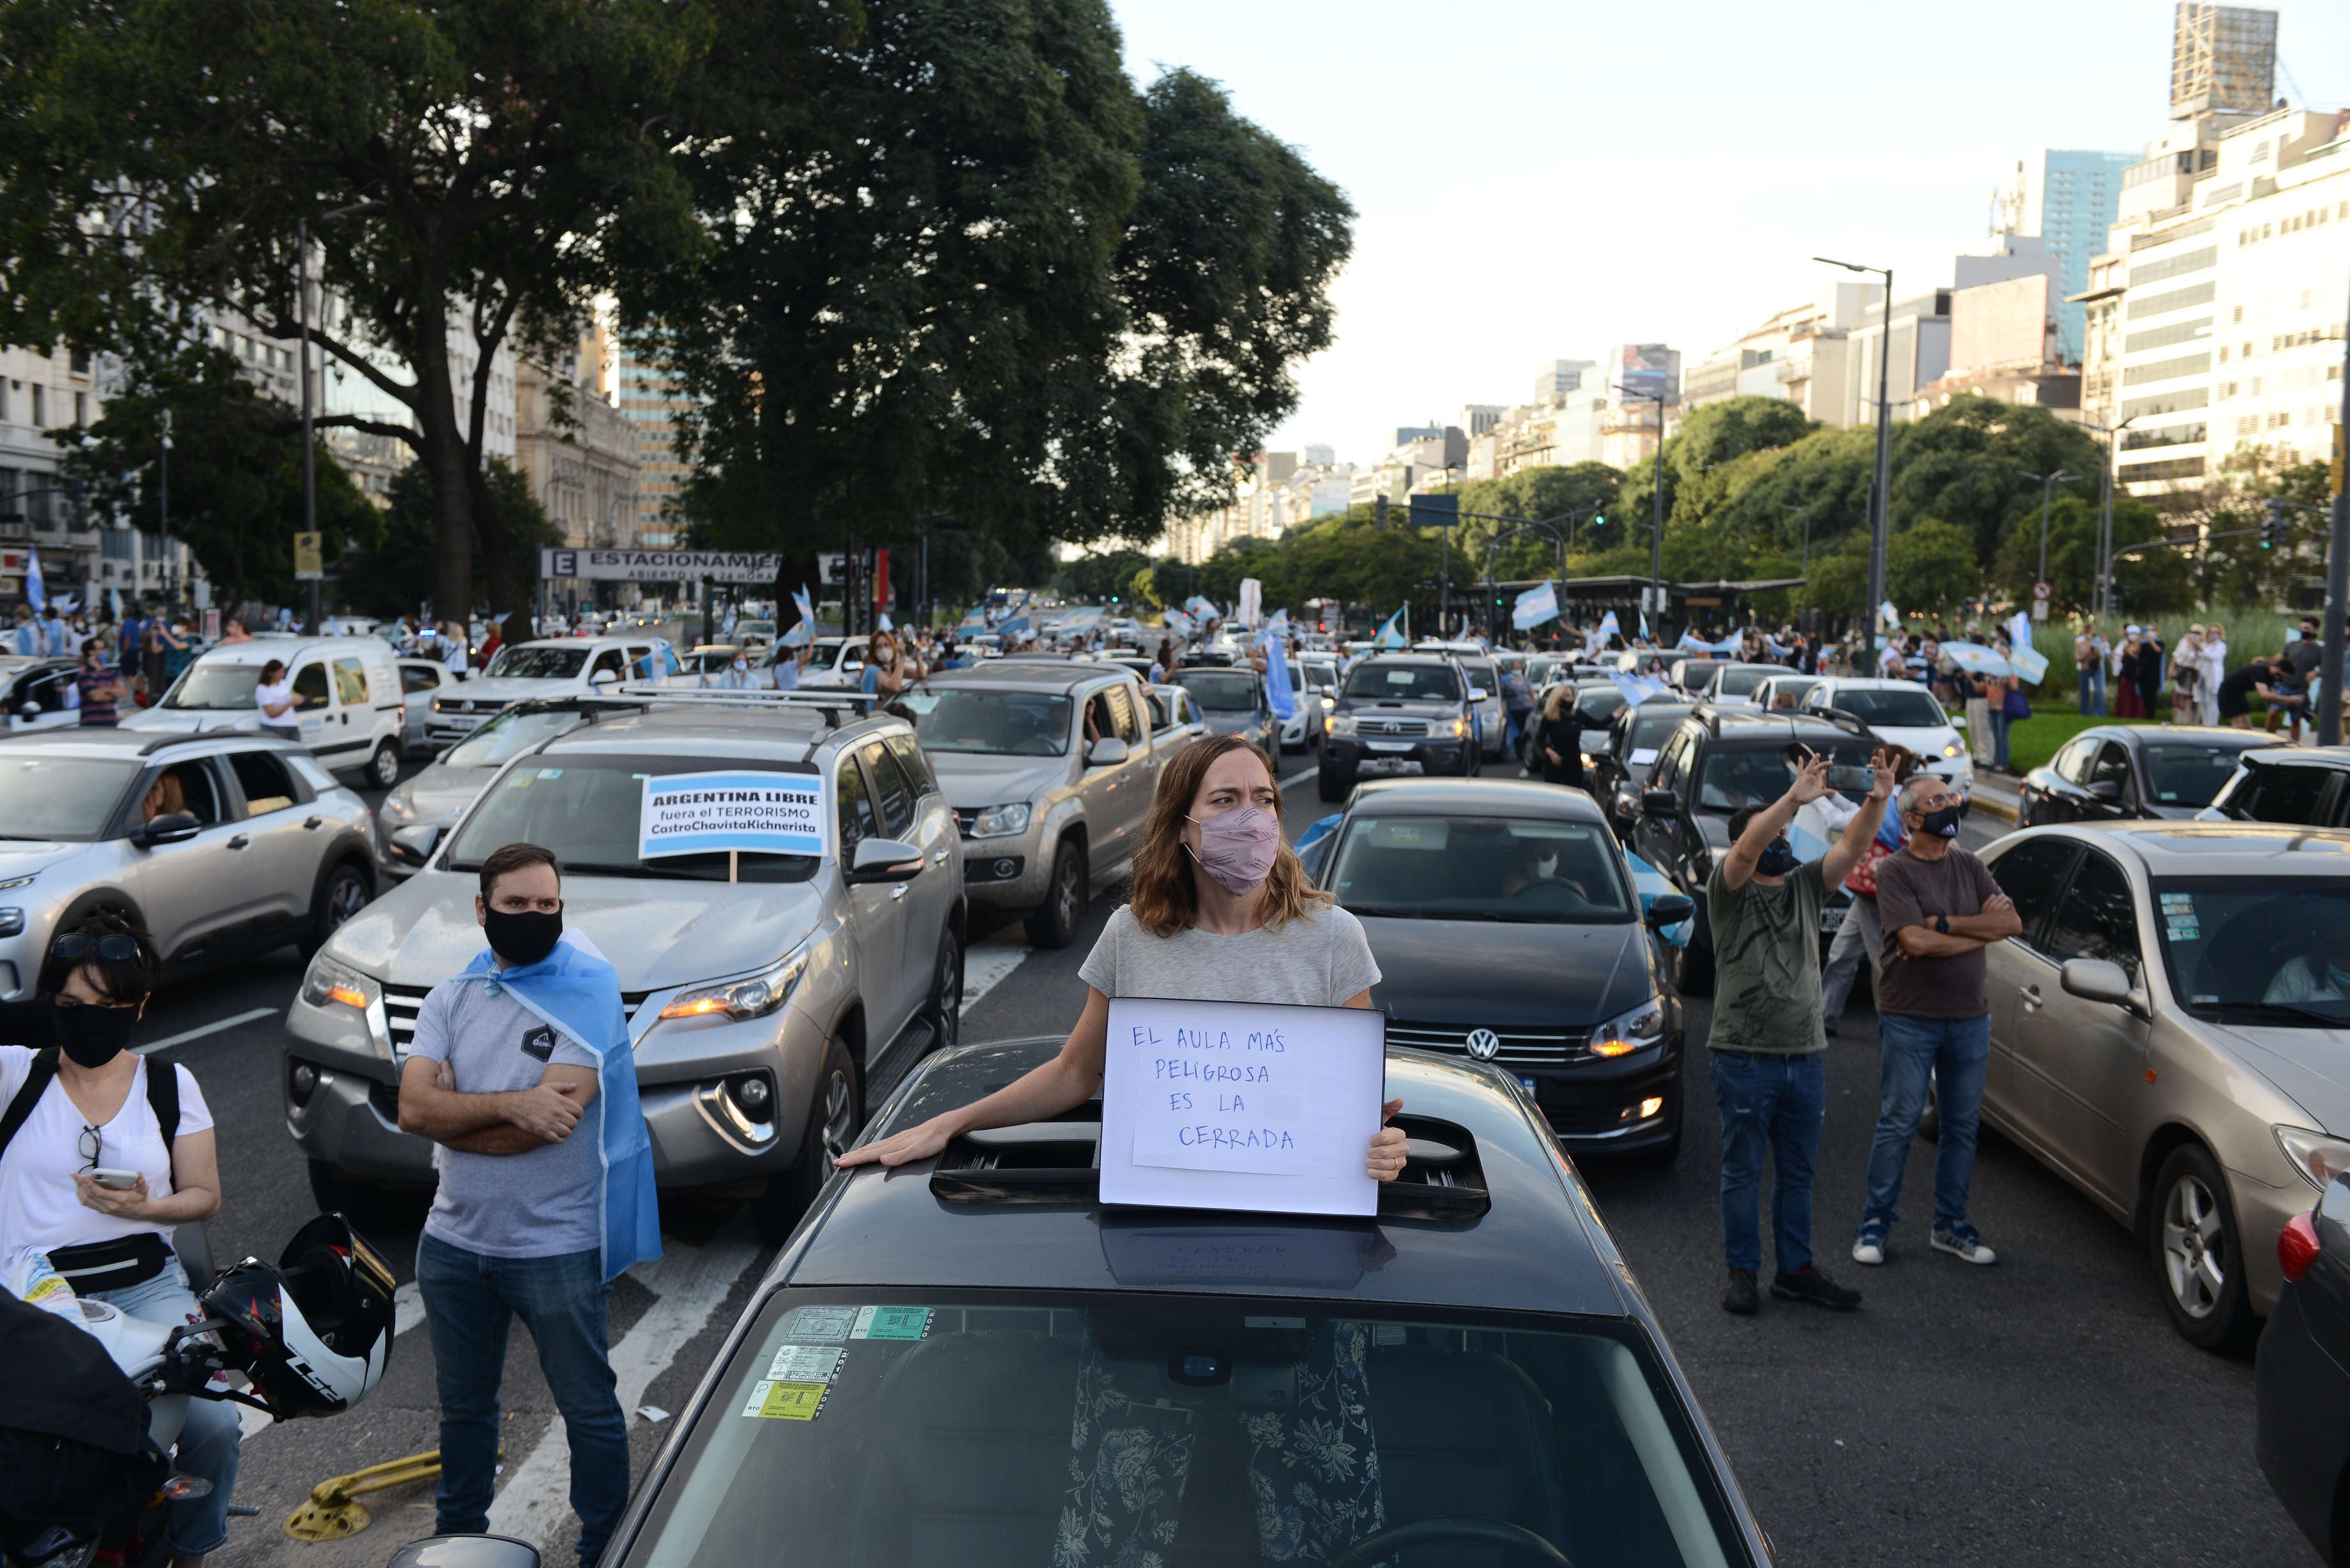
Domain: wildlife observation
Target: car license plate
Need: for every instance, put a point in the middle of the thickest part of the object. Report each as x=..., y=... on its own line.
x=1830, y=919
x=1389, y=745
x=1528, y=1086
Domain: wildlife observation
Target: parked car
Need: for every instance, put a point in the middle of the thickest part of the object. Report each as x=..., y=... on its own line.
x=2115, y=771
x=225, y=845
x=1049, y=768
x=1901, y=713
x=1175, y=717
x=1492, y=718
x=38, y=694
x=2305, y=785
x=1620, y=768
x=1716, y=760
x=1308, y=682
x=2168, y=1035
x=2301, y=1386
x=421, y=681
x=553, y=667
x=1233, y=701
x=354, y=716
x=970, y=1359
x=1735, y=684
x=1398, y=710
x=1561, y=985
x=1694, y=677
x=832, y=661
x=419, y=811
x=763, y=991
x=1785, y=691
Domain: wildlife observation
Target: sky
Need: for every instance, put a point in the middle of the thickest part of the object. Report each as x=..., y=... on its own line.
x=1537, y=180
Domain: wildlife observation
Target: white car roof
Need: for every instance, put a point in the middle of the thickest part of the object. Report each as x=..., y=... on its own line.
x=286, y=650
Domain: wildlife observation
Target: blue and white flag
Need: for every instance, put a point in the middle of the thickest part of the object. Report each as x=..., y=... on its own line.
x=1205, y=609
x=35, y=592
x=2028, y=660
x=1607, y=627
x=1278, y=693
x=1176, y=621
x=1636, y=689
x=1535, y=606
x=1390, y=636
x=1892, y=616
x=1692, y=643
x=1645, y=635
x=1016, y=627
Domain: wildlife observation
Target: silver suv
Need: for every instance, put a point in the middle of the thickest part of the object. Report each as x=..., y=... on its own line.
x=224, y=845
x=765, y=992
x=1050, y=765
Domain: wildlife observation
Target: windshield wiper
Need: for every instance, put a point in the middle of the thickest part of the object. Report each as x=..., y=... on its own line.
x=591, y=869
x=2290, y=1010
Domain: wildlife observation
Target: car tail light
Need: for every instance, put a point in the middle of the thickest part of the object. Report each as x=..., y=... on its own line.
x=2297, y=1246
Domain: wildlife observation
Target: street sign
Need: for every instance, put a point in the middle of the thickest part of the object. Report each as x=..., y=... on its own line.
x=1652, y=600
x=309, y=562
x=659, y=566
x=1435, y=511
x=2039, y=610
x=2039, y=591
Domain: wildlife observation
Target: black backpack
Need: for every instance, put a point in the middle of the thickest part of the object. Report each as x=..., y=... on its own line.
x=163, y=1099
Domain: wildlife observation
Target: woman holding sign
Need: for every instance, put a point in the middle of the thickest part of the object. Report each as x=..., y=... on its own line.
x=1222, y=912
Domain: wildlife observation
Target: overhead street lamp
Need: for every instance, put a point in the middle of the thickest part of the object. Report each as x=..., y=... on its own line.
x=1878, y=492
x=302, y=317
x=2048, y=482
x=1657, y=509
x=2100, y=604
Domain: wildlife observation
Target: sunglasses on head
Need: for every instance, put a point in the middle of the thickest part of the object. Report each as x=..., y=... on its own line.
x=114, y=946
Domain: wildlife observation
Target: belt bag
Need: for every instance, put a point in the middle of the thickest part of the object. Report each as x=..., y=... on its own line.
x=113, y=1265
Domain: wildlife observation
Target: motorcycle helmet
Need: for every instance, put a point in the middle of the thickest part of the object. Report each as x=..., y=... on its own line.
x=314, y=1333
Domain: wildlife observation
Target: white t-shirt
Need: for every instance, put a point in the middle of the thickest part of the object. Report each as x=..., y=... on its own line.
x=265, y=698
x=1319, y=960
x=37, y=1205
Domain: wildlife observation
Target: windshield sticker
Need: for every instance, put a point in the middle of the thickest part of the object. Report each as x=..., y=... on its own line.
x=2178, y=904
x=694, y=814
x=823, y=1323
x=2183, y=929
x=892, y=1322
x=550, y=773
x=778, y=1401
x=1643, y=755
x=804, y=1362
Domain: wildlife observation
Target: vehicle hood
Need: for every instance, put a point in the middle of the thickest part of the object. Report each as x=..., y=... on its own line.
x=979, y=778
x=1230, y=723
x=1396, y=707
x=2309, y=1067
x=656, y=933
x=2161, y=813
x=190, y=720
x=1507, y=976
x=24, y=857
x=1926, y=740
x=440, y=793
x=507, y=689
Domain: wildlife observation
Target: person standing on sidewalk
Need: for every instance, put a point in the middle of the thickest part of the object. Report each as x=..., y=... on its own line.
x=2089, y=650
x=521, y=1072
x=1763, y=907
x=1940, y=909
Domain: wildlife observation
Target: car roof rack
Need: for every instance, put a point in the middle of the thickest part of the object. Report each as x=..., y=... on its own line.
x=829, y=702
x=1059, y=1161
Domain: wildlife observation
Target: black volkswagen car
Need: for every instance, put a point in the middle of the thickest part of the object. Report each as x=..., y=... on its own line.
x=1507, y=929
x=2118, y=772
x=971, y=1362
x=1396, y=710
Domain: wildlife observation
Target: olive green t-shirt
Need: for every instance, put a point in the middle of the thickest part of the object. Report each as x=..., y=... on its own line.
x=1766, y=963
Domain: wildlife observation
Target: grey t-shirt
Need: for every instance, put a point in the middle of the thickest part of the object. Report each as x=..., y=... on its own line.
x=1320, y=959
x=1766, y=962
x=540, y=1204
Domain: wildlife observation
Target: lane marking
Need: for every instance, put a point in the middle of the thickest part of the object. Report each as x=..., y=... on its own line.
x=154, y=1045
x=985, y=967
x=1300, y=777
x=689, y=1282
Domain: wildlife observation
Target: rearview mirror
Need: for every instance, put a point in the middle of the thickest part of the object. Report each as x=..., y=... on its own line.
x=467, y=1552
x=171, y=827
x=1668, y=909
x=885, y=860
x=1109, y=749
x=2101, y=979
x=1659, y=803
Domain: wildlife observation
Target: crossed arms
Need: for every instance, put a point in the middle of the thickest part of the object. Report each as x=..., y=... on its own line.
x=515, y=1122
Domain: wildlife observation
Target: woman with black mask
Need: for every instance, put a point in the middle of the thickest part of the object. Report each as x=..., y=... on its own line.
x=90, y=1176
x=1557, y=753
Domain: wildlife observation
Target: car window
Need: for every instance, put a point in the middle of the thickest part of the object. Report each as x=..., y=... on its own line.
x=310, y=682
x=1121, y=707
x=535, y=663
x=918, y=766
x=2030, y=874
x=2072, y=763
x=2187, y=774
x=607, y=659
x=2273, y=949
x=350, y=683
x=1594, y=708
x=186, y=788
x=1914, y=708
x=1405, y=684
x=1669, y=762
x=1749, y=776
x=412, y=679
x=2095, y=918
x=857, y=820
x=508, y=735
x=587, y=808
x=2287, y=794
x=1480, y=868
x=263, y=777
x=893, y=795
x=1739, y=682
x=1158, y=719
x=2113, y=767
x=1220, y=691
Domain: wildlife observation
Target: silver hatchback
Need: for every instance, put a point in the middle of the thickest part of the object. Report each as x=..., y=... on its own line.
x=766, y=992
x=221, y=844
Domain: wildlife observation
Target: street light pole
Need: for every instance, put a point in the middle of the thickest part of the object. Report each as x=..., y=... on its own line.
x=2047, y=485
x=1879, y=495
x=2099, y=605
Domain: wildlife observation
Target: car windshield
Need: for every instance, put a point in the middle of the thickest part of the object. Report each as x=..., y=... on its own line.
x=1594, y=707
x=1220, y=691
x=59, y=797
x=2274, y=951
x=1405, y=684
x=1480, y=868
x=2190, y=774
x=1699, y=677
x=1891, y=708
x=507, y=736
x=1739, y=682
x=216, y=688
x=1010, y=723
x=1649, y=728
x=1757, y=775
x=533, y=662
x=588, y=809
x=1033, y=1429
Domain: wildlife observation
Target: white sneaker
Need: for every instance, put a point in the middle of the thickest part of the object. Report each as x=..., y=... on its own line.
x=1963, y=1244
x=1869, y=1246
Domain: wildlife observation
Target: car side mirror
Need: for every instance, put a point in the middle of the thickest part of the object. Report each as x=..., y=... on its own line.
x=1477, y=694
x=885, y=860
x=2105, y=790
x=2101, y=980
x=416, y=843
x=1668, y=909
x=467, y=1552
x=604, y=677
x=1108, y=750
x=29, y=711
x=1659, y=803
x=171, y=827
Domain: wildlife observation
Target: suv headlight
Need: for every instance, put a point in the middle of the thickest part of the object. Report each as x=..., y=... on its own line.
x=740, y=999
x=1628, y=1032
x=328, y=982
x=1001, y=821
x=396, y=807
x=1342, y=723
x=1458, y=728
x=2318, y=1158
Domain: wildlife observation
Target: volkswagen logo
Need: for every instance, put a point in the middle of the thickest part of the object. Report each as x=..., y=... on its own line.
x=1483, y=1044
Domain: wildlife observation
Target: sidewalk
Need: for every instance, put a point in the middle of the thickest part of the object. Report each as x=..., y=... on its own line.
x=1995, y=795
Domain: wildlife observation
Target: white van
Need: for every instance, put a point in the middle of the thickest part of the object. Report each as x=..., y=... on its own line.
x=353, y=714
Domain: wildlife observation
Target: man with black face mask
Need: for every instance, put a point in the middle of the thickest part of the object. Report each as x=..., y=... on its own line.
x=1940, y=909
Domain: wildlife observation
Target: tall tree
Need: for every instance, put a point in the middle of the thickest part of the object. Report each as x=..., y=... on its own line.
x=159, y=153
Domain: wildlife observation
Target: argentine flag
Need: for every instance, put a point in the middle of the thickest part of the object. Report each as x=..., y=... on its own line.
x=1535, y=606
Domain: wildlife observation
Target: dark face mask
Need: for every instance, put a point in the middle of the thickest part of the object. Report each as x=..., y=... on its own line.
x=92, y=1036
x=524, y=937
x=1942, y=824
x=1777, y=859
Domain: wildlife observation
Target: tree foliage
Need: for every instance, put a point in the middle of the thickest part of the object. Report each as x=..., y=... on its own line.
x=394, y=573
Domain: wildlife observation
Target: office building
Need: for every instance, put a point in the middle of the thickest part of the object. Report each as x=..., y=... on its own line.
x=652, y=399
x=2079, y=196
x=2223, y=59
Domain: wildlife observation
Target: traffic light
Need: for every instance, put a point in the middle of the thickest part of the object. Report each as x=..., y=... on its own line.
x=1599, y=519
x=2272, y=528
x=1379, y=512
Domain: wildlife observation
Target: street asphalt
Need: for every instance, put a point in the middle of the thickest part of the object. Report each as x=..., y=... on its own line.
x=2040, y=1410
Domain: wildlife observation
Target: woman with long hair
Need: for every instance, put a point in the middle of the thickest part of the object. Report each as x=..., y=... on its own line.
x=1222, y=912
x=1555, y=750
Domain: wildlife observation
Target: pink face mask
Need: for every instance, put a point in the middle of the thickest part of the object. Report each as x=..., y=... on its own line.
x=1238, y=848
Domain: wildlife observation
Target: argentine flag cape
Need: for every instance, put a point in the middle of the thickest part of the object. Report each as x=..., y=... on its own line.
x=578, y=993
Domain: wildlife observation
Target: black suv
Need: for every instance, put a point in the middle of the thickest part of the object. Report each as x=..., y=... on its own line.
x=1399, y=708
x=1719, y=760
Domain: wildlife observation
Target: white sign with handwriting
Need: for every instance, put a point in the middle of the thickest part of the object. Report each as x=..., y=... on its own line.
x=1243, y=1105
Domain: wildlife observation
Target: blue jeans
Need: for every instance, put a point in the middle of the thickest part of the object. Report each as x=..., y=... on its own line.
x=1776, y=1102
x=1999, y=723
x=2091, y=698
x=467, y=1300
x=1956, y=1052
x=208, y=1438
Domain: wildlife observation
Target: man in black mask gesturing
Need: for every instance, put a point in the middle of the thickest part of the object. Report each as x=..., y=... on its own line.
x=1940, y=909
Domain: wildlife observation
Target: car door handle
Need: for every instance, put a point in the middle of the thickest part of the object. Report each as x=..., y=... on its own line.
x=239, y=842
x=2031, y=994
x=897, y=892
x=939, y=858
x=315, y=822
